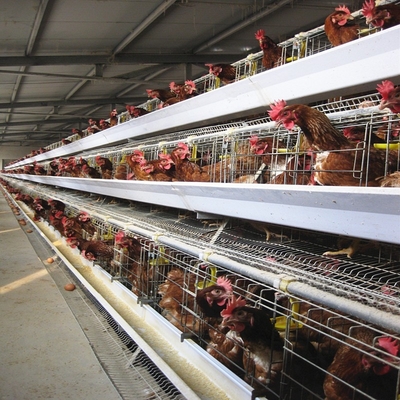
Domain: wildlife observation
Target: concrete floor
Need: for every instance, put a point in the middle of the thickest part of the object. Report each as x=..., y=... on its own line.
x=43, y=352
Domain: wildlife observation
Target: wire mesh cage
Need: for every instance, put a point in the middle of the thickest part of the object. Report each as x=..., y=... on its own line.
x=255, y=152
x=361, y=270
x=283, y=345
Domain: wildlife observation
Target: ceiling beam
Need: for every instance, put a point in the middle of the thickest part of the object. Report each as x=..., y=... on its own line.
x=161, y=9
x=36, y=27
x=237, y=27
x=28, y=50
x=121, y=58
x=42, y=122
x=78, y=77
x=148, y=80
x=20, y=141
x=61, y=103
x=31, y=133
x=38, y=114
x=97, y=71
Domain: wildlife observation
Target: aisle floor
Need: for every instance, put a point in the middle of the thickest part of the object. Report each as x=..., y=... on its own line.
x=44, y=352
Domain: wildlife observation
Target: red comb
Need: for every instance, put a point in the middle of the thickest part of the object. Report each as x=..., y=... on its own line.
x=343, y=8
x=183, y=146
x=225, y=283
x=233, y=303
x=172, y=86
x=388, y=290
x=259, y=34
x=59, y=214
x=276, y=109
x=385, y=88
x=69, y=242
x=391, y=345
x=253, y=140
x=190, y=83
x=163, y=156
x=368, y=8
x=119, y=236
x=84, y=215
x=347, y=132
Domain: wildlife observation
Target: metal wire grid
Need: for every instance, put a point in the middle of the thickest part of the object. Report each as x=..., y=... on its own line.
x=343, y=112
x=361, y=279
x=332, y=333
x=354, y=106
x=299, y=322
x=172, y=276
x=148, y=380
x=348, y=109
x=369, y=279
x=171, y=280
x=225, y=151
x=134, y=267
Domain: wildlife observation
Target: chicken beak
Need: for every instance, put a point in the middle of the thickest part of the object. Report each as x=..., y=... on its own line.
x=209, y=300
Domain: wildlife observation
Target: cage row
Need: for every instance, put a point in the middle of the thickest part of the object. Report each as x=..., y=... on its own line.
x=282, y=345
x=363, y=149
x=363, y=270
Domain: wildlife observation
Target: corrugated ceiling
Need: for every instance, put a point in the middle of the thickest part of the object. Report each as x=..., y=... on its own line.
x=63, y=62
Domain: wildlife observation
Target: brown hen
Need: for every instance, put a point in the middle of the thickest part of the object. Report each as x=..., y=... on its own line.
x=177, y=302
x=382, y=16
x=225, y=72
x=272, y=53
x=186, y=170
x=106, y=167
x=337, y=157
x=355, y=364
x=337, y=27
x=263, y=347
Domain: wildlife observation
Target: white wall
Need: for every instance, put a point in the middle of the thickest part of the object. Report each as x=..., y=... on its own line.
x=11, y=153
